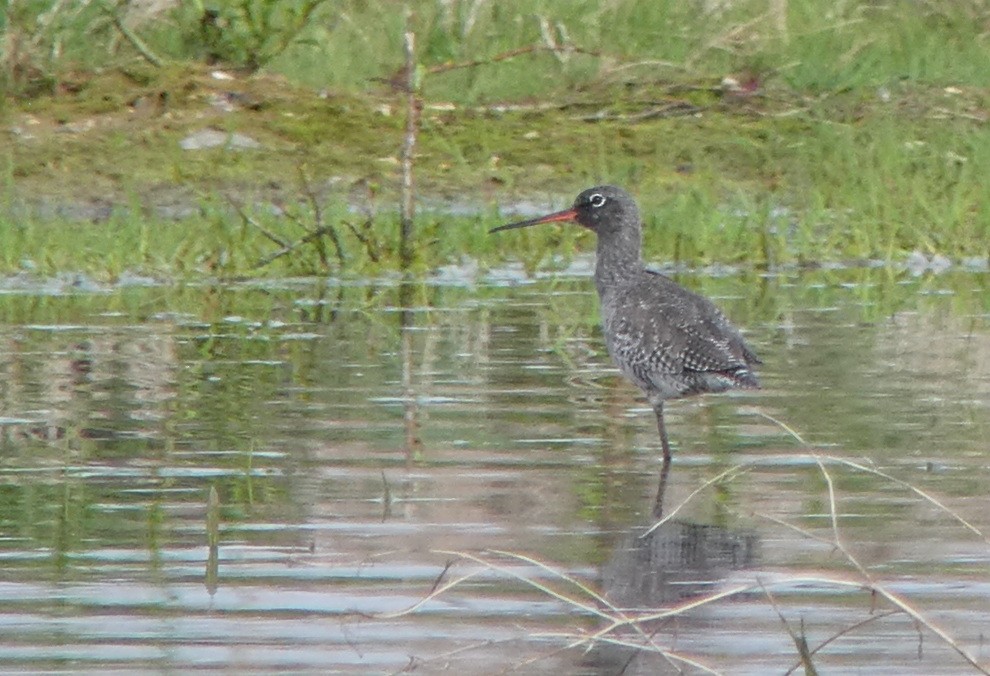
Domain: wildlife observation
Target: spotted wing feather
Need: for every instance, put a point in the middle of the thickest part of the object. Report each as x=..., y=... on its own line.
x=672, y=342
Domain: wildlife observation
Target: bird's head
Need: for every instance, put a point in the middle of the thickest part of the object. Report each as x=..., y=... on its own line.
x=602, y=209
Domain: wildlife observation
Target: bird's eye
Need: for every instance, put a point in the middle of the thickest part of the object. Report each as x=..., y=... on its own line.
x=597, y=200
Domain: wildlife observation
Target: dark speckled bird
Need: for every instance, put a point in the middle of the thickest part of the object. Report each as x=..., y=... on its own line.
x=669, y=341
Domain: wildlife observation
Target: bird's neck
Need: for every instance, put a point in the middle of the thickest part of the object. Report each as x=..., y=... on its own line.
x=618, y=258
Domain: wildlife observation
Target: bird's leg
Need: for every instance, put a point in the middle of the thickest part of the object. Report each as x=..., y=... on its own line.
x=662, y=429
x=665, y=463
x=658, y=502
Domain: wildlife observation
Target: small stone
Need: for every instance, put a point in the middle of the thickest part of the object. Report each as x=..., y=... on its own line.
x=955, y=158
x=221, y=102
x=77, y=127
x=212, y=138
x=18, y=132
x=730, y=84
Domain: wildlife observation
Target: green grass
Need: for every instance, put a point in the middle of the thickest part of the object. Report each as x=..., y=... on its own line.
x=810, y=46
x=867, y=139
x=803, y=44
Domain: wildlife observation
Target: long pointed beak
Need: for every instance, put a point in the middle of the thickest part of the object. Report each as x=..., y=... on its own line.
x=565, y=215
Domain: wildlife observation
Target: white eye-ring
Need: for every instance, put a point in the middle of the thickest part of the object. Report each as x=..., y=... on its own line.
x=597, y=200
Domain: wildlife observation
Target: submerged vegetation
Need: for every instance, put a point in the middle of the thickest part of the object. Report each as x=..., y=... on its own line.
x=767, y=133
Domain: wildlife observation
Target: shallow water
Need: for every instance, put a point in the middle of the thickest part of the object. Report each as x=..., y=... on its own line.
x=361, y=437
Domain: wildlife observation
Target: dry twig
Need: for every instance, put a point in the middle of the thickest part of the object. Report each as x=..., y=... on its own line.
x=413, y=110
x=131, y=37
x=800, y=641
x=616, y=622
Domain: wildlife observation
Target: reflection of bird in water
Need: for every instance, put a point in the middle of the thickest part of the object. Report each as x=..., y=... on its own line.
x=652, y=570
x=669, y=341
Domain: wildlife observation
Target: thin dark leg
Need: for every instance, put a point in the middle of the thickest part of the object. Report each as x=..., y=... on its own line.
x=658, y=502
x=662, y=429
x=665, y=463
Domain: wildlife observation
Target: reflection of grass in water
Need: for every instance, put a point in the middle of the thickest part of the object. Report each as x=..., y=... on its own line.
x=638, y=629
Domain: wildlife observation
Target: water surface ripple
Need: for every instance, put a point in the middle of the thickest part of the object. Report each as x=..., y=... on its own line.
x=452, y=476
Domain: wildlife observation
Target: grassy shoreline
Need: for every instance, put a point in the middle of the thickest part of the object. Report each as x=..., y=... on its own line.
x=858, y=135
